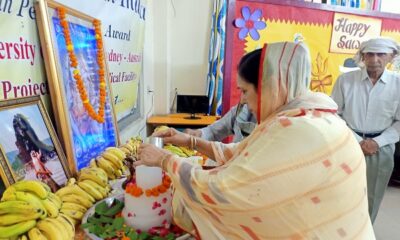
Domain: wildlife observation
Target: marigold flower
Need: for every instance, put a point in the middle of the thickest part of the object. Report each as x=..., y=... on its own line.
x=80, y=86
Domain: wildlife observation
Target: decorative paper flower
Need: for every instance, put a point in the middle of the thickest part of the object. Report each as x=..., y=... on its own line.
x=156, y=205
x=162, y=212
x=250, y=23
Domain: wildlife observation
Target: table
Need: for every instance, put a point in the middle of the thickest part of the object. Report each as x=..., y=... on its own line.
x=179, y=120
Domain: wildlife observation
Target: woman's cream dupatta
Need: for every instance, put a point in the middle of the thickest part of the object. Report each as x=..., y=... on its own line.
x=299, y=175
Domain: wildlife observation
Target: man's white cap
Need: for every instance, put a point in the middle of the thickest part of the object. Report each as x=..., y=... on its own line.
x=377, y=45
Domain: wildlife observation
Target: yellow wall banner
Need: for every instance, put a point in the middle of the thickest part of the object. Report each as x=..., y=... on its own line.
x=123, y=23
x=349, y=31
x=21, y=65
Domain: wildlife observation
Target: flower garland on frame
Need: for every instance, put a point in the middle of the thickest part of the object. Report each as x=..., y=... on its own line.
x=97, y=116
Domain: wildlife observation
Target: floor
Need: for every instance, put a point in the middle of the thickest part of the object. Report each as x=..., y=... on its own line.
x=387, y=223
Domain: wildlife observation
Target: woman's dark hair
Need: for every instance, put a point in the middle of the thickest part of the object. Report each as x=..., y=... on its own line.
x=249, y=65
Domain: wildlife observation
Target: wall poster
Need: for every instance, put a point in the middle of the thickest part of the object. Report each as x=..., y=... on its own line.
x=252, y=23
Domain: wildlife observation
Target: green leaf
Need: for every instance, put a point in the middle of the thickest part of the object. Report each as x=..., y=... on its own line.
x=92, y=228
x=118, y=223
x=87, y=225
x=98, y=229
x=157, y=238
x=143, y=236
x=101, y=208
x=170, y=236
x=133, y=235
x=104, y=219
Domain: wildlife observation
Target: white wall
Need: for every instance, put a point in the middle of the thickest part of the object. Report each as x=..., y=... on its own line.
x=392, y=6
x=190, y=33
x=175, y=55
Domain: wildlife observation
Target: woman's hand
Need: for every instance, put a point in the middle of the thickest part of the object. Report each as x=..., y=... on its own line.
x=174, y=137
x=193, y=132
x=150, y=155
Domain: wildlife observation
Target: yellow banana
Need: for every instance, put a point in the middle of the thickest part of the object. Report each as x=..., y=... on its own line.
x=91, y=190
x=71, y=181
x=36, y=234
x=93, y=163
x=51, y=208
x=71, y=221
x=106, y=166
x=74, y=206
x=129, y=147
x=32, y=186
x=22, y=237
x=92, y=177
x=16, y=229
x=67, y=225
x=175, y=150
x=117, y=152
x=98, y=187
x=161, y=128
x=55, y=199
x=99, y=171
x=63, y=232
x=51, y=229
x=30, y=198
x=135, y=149
x=13, y=218
x=16, y=206
x=74, y=214
x=112, y=159
x=76, y=190
x=96, y=172
x=125, y=150
x=48, y=189
x=8, y=193
x=187, y=151
x=77, y=199
x=118, y=173
x=107, y=189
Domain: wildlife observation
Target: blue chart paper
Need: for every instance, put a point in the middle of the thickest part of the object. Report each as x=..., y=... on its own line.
x=89, y=137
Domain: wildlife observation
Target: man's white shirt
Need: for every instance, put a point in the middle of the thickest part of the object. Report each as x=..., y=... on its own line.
x=369, y=108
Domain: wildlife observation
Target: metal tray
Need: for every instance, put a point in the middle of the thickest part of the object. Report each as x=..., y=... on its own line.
x=109, y=201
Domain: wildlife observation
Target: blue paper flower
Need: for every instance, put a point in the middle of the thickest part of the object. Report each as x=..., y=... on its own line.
x=250, y=23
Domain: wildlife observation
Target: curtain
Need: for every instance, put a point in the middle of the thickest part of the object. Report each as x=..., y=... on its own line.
x=216, y=57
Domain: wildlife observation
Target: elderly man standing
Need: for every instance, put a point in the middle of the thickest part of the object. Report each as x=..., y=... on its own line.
x=369, y=102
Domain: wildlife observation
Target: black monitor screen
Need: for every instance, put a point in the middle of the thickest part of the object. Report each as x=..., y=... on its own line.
x=192, y=104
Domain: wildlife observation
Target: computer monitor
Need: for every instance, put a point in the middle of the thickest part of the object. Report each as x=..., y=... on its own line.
x=192, y=104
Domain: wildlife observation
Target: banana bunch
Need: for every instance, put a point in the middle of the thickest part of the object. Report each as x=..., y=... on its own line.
x=79, y=195
x=61, y=227
x=131, y=146
x=22, y=204
x=75, y=201
x=161, y=128
x=180, y=151
x=111, y=161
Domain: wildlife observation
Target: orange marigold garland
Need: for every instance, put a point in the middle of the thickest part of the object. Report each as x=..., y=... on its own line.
x=99, y=116
x=133, y=189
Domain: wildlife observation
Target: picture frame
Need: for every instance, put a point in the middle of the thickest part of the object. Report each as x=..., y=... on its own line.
x=29, y=146
x=77, y=74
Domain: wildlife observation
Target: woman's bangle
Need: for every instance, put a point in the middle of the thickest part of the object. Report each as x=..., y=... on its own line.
x=195, y=144
x=163, y=160
x=191, y=142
